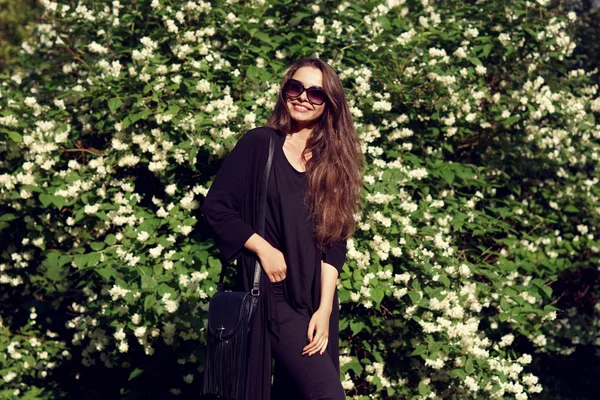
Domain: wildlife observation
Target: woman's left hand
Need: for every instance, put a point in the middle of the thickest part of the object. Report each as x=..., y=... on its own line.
x=319, y=323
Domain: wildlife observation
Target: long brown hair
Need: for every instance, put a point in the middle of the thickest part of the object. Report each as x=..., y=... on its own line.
x=334, y=169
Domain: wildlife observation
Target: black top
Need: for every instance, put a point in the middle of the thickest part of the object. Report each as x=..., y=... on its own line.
x=289, y=229
x=231, y=209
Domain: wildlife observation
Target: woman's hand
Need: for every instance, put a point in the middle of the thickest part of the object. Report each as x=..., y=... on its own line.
x=273, y=263
x=271, y=259
x=319, y=322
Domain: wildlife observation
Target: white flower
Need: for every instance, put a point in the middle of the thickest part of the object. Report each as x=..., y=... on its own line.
x=97, y=48
x=504, y=38
x=382, y=105
x=506, y=340
x=471, y=384
x=143, y=236
x=140, y=331
x=91, y=209
x=231, y=18
x=472, y=32
x=123, y=347
x=120, y=334
x=156, y=251
x=524, y=359
x=464, y=270
x=203, y=86
x=435, y=364
x=540, y=340
x=9, y=377
x=136, y=319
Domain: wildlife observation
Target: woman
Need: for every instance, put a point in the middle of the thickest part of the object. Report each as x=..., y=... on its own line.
x=313, y=193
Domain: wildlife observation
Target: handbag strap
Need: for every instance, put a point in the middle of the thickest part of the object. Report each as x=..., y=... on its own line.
x=263, y=213
x=255, y=291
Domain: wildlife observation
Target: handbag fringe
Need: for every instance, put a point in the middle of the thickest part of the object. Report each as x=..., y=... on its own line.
x=225, y=365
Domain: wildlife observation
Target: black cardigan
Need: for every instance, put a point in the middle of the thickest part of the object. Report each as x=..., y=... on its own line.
x=231, y=209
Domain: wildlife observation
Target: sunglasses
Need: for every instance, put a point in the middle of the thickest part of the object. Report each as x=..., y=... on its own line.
x=315, y=94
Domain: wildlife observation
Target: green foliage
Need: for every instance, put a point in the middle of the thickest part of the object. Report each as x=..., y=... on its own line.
x=480, y=190
x=15, y=16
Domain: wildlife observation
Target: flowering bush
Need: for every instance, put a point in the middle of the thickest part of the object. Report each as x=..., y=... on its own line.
x=480, y=191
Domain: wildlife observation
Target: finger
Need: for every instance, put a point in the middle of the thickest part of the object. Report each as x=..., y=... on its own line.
x=319, y=346
x=311, y=329
x=309, y=346
x=314, y=343
x=324, y=349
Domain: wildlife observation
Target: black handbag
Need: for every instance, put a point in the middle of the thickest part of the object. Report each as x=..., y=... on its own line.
x=229, y=319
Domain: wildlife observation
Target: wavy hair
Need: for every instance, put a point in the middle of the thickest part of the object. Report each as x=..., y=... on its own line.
x=334, y=169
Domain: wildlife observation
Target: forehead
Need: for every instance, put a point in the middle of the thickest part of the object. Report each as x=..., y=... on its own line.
x=309, y=76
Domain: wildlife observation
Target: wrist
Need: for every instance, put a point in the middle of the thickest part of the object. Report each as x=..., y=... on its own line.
x=263, y=248
x=325, y=308
x=258, y=245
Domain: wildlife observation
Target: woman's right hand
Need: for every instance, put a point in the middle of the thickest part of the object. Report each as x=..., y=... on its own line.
x=273, y=263
x=271, y=259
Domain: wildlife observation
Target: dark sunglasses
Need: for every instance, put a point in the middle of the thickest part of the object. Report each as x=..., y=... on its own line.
x=315, y=94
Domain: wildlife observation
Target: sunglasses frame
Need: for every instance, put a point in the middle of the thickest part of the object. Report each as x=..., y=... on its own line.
x=304, y=89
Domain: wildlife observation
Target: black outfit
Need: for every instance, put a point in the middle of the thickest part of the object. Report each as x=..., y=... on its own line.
x=293, y=301
x=231, y=209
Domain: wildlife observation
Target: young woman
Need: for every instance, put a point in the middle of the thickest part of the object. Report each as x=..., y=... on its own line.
x=313, y=193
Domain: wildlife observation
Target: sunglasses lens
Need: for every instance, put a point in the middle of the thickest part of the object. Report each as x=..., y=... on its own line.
x=293, y=89
x=316, y=96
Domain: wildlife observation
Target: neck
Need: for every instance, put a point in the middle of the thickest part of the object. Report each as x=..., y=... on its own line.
x=301, y=131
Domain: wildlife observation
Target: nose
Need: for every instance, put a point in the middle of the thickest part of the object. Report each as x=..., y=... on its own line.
x=303, y=96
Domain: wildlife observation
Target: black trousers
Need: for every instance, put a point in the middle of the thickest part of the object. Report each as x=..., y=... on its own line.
x=297, y=376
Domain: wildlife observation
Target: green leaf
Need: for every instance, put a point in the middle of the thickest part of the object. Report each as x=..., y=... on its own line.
x=81, y=260
x=469, y=366
x=356, y=326
x=113, y=104
x=110, y=239
x=97, y=246
x=423, y=389
x=149, y=302
x=570, y=208
x=486, y=50
x=475, y=61
x=377, y=295
x=148, y=282
x=135, y=373
x=55, y=272
x=15, y=136
x=45, y=199
x=106, y=272
x=8, y=217
x=421, y=349
x=252, y=72
x=263, y=37
x=448, y=175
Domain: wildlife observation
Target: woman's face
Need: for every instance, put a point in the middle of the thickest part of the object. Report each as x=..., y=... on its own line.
x=303, y=112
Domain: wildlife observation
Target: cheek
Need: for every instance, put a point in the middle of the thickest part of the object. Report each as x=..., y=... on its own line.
x=319, y=111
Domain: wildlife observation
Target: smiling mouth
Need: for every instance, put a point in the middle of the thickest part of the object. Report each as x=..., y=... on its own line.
x=300, y=108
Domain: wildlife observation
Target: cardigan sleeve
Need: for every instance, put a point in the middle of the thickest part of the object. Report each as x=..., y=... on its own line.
x=336, y=255
x=222, y=204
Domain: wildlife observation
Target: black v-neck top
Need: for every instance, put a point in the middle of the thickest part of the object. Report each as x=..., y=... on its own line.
x=288, y=228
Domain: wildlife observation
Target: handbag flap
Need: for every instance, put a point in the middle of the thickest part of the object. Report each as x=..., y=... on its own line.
x=225, y=312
